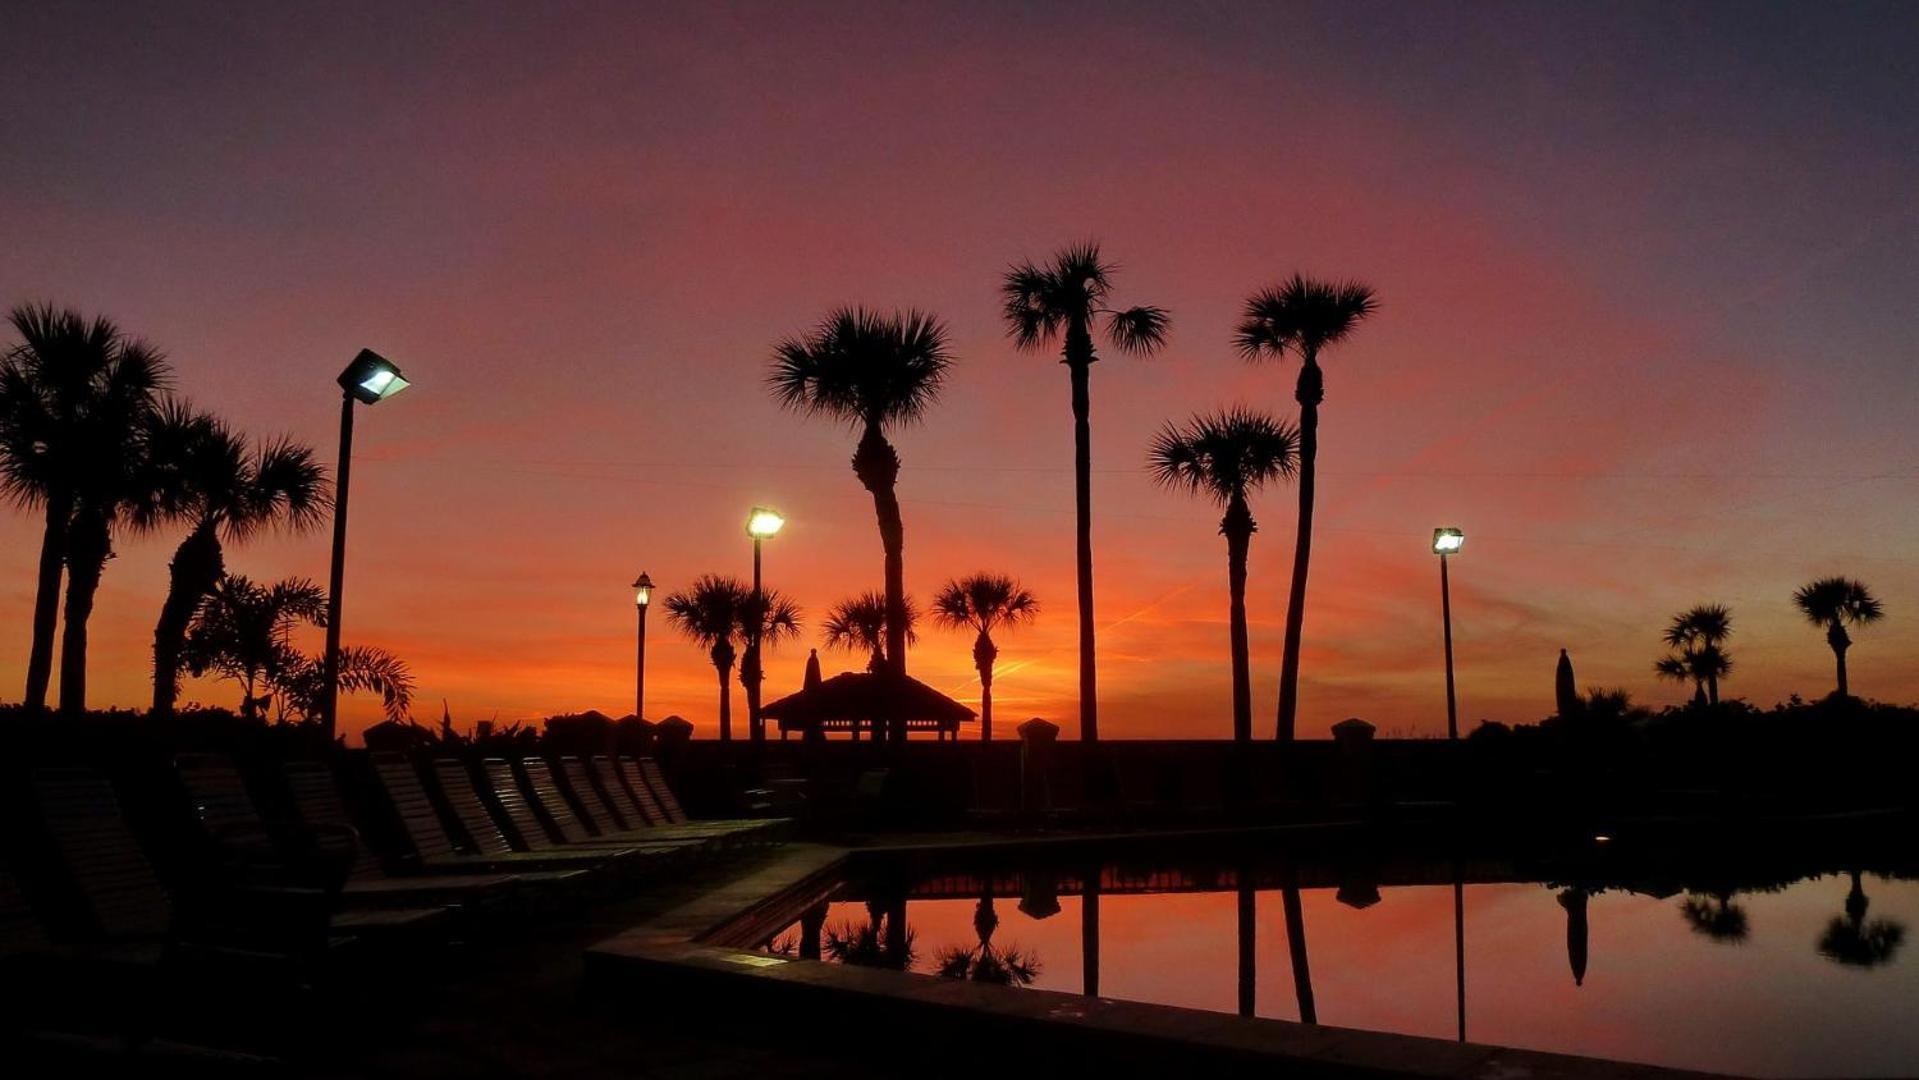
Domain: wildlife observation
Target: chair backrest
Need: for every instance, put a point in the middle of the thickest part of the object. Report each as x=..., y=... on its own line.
x=317, y=802
x=643, y=796
x=91, y=836
x=463, y=798
x=20, y=931
x=609, y=781
x=417, y=816
x=655, y=779
x=545, y=791
x=506, y=790
x=598, y=807
x=218, y=793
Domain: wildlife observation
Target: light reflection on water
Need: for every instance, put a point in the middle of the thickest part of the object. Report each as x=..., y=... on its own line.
x=1809, y=979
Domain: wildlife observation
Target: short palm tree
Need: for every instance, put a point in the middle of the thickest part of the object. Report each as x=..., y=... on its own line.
x=1854, y=942
x=858, y=624
x=1698, y=637
x=1226, y=457
x=708, y=614
x=775, y=618
x=986, y=962
x=874, y=372
x=982, y=603
x=1302, y=317
x=226, y=491
x=1714, y=915
x=1066, y=299
x=244, y=632
x=1835, y=603
x=63, y=386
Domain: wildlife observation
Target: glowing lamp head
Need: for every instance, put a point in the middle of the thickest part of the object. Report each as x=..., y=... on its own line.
x=763, y=523
x=372, y=378
x=1448, y=541
x=643, y=591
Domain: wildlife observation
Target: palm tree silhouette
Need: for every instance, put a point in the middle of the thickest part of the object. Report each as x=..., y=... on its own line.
x=73, y=395
x=244, y=632
x=1226, y=457
x=1699, y=636
x=858, y=624
x=1715, y=916
x=708, y=614
x=1850, y=940
x=1833, y=603
x=1064, y=300
x=871, y=371
x=982, y=602
x=226, y=491
x=1301, y=316
x=775, y=618
x=985, y=963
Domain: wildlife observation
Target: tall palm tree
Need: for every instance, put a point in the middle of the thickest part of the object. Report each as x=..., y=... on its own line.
x=228, y=492
x=1835, y=603
x=858, y=624
x=1302, y=317
x=708, y=614
x=769, y=619
x=1700, y=635
x=981, y=603
x=1226, y=456
x=872, y=371
x=1066, y=299
x=72, y=392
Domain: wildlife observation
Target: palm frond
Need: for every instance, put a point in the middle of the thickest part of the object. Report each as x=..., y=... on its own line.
x=1140, y=331
x=1224, y=455
x=862, y=367
x=1301, y=314
x=984, y=601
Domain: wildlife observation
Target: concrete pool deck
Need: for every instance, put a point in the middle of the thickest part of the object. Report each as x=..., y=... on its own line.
x=702, y=955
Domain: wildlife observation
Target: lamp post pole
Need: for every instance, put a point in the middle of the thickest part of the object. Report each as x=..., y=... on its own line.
x=1447, y=542
x=369, y=379
x=330, y=670
x=760, y=524
x=1446, y=616
x=642, y=599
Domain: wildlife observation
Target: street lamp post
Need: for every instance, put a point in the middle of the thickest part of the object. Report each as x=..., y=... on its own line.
x=761, y=524
x=369, y=380
x=642, y=598
x=1447, y=542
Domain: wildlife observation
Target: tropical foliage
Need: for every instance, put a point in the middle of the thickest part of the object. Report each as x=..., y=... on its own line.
x=1225, y=457
x=859, y=624
x=1065, y=300
x=982, y=603
x=1833, y=604
x=1301, y=317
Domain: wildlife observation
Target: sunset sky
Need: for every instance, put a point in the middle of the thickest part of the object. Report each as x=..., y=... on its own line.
x=1646, y=328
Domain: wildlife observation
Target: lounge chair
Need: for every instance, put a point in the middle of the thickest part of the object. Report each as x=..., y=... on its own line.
x=529, y=815
x=463, y=796
x=600, y=813
x=655, y=797
x=226, y=811
x=317, y=800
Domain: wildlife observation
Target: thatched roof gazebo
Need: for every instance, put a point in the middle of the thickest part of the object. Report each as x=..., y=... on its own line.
x=874, y=701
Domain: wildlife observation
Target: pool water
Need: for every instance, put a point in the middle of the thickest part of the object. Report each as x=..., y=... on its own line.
x=1813, y=977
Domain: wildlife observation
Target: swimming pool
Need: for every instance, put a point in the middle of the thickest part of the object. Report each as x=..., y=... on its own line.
x=1761, y=956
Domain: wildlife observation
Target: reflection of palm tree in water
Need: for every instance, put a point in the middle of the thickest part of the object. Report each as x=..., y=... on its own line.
x=984, y=963
x=1574, y=901
x=885, y=941
x=1851, y=940
x=1716, y=916
x=1296, y=944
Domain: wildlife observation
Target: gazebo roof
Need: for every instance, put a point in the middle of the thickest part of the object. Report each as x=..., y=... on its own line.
x=867, y=696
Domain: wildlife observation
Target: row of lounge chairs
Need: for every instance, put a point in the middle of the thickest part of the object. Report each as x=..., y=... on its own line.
x=477, y=848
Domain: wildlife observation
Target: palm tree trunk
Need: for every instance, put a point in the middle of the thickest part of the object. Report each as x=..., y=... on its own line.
x=1079, y=359
x=1238, y=529
x=46, y=599
x=1248, y=937
x=1296, y=944
x=877, y=465
x=1840, y=642
x=89, y=546
x=1309, y=391
x=724, y=665
x=1712, y=689
x=984, y=653
x=196, y=568
x=750, y=682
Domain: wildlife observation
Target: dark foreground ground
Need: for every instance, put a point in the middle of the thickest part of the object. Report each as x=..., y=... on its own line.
x=501, y=1008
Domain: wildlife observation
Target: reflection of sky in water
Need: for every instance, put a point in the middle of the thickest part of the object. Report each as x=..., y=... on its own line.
x=1655, y=990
